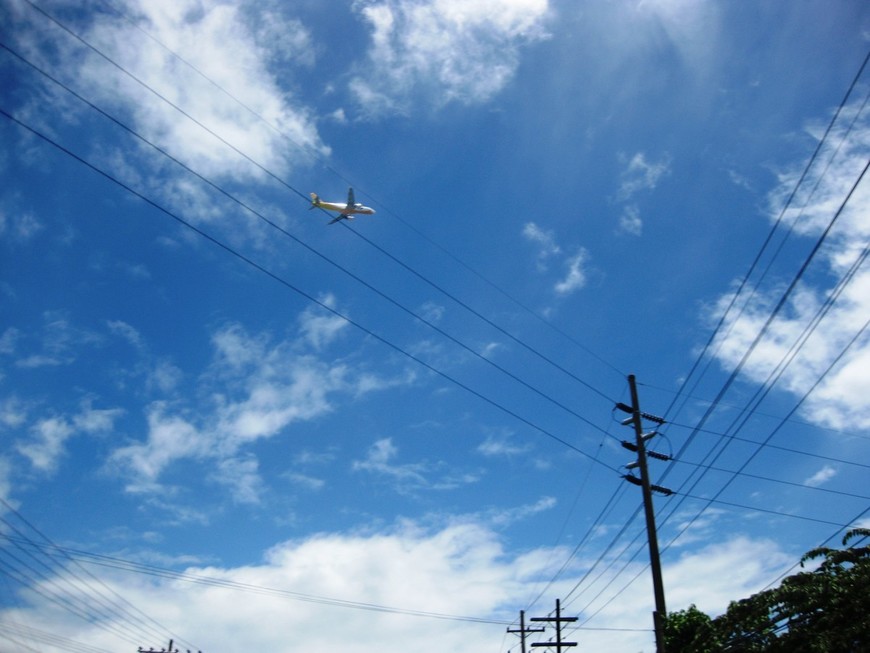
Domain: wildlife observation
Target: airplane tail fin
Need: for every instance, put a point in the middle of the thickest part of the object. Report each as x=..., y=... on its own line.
x=315, y=201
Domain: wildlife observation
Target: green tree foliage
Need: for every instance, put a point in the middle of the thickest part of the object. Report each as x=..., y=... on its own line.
x=826, y=610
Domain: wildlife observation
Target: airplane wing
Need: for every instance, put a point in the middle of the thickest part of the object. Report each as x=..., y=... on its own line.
x=350, y=199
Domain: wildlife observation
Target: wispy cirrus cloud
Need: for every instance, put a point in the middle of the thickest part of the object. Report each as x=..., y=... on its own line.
x=45, y=445
x=639, y=174
x=442, y=51
x=821, y=477
x=574, y=266
x=257, y=387
x=410, y=476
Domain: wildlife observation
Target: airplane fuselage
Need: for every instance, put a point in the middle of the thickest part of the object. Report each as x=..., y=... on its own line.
x=344, y=209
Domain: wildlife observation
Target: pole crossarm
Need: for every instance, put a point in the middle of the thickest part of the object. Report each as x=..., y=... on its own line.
x=522, y=631
x=559, y=620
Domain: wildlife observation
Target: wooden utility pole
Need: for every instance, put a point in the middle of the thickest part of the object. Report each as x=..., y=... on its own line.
x=165, y=650
x=558, y=620
x=636, y=419
x=522, y=631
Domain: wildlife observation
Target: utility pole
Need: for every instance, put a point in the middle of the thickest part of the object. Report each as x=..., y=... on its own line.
x=163, y=650
x=522, y=631
x=169, y=649
x=558, y=620
x=639, y=446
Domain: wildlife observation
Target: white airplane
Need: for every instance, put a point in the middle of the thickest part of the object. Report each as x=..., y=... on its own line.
x=346, y=211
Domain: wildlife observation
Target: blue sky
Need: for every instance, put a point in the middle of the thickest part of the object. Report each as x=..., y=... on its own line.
x=403, y=426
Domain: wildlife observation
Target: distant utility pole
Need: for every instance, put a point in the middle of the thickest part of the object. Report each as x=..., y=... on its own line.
x=522, y=631
x=558, y=620
x=163, y=650
x=639, y=446
x=169, y=649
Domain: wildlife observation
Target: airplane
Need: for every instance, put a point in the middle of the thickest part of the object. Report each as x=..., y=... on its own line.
x=346, y=211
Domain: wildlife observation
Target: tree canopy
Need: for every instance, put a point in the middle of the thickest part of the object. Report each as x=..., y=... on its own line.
x=826, y=610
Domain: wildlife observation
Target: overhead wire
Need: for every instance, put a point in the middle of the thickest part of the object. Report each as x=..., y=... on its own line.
x=834, y=363
x=589, y=531
x=8, y=115
x=72, y=587
x=294, y=190
x=313, y=151
x=770, y=234
x=715, y=499
x=130, y=566
x=488, y=321
x=19, y=633
x=310, y=248
x=756, y=340
x=800, y=452
x=297, y=193
x=768, y=385
x=282, y=281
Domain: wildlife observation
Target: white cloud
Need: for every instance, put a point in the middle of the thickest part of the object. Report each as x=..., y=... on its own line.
x=379, y=461
x=13, y=412
x=502, y=518
x=459, y=568
x=256, y=388
x=47, y=442
x=641, y=174
x=319, y=326
x=548, y=247
x=409, y=477
x=733, y=569
x=576, y=275
x=20, y=227
x=443, y=50
x=46, y=446
x=308, y=482
x=242, y=477
x=630, y=222
x=821, y=477
x=60, y=342
x=169, y=438
x=501, y=446
x=235, y=85
x=842, y=400
x=545, y=240
x=8, y=341
x=638, y=175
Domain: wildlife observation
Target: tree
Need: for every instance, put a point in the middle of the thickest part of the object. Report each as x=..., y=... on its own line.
x=819, y=611
x=690, y=631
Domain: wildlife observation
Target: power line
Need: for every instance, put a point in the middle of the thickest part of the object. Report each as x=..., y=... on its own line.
x=90, y=600
x=294, y=190
x=250, y=262
x=799, y=452
x=770, y=234
x=130, y=566
x=314, y=152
